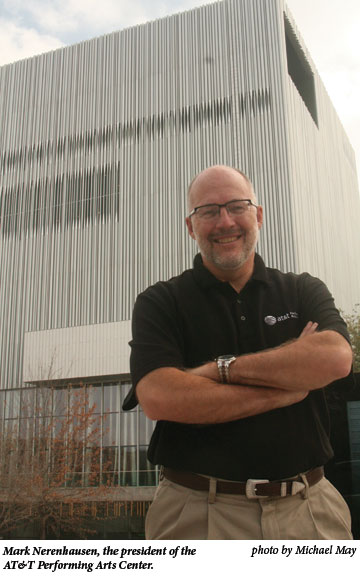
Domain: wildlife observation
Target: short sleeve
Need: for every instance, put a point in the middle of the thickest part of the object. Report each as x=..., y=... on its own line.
x=317, y=305
x=156, y=336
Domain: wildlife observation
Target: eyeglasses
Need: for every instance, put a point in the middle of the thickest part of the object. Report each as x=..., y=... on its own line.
x=211, y=211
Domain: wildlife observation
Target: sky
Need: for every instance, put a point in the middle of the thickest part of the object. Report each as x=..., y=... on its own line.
x=330, y=30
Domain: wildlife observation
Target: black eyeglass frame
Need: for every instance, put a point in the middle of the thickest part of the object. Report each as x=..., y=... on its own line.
x=220, y=205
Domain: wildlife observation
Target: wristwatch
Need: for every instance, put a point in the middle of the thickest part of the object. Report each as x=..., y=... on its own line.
x=223, y=363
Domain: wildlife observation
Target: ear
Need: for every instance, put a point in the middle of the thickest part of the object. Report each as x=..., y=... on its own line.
x=190, y=227
x=259, y=216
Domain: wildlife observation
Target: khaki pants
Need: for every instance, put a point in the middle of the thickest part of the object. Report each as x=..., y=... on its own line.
x=179, y=513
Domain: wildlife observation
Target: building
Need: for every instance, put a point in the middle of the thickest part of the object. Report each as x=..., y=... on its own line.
x=98, y=142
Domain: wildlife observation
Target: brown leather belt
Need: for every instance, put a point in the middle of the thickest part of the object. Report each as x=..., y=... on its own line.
x=252, y=488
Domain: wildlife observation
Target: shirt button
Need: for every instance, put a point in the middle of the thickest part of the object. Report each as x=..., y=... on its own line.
x=242, y=318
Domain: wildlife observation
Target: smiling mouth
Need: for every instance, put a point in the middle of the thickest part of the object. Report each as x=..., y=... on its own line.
x=228, y=240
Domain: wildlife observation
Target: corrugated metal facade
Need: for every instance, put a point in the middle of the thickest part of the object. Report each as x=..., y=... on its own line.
x=98, y=142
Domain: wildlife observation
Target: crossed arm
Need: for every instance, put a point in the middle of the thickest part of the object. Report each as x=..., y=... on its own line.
x=261, y=382
x=311, y=362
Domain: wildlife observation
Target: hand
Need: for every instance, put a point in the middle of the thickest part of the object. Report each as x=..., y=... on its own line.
x=309, y=329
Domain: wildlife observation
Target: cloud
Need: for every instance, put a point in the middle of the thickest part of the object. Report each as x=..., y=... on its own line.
x=17, y=42
x=76, y=20
x=72, y=20
x=36, y=26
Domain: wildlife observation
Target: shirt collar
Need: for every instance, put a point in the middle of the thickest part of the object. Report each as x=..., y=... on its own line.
x=206, y=279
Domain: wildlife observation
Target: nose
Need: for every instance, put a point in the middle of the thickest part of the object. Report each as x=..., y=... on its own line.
x=224, y=218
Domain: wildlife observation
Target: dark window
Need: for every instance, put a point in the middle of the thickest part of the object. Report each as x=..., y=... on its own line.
x=300, y=71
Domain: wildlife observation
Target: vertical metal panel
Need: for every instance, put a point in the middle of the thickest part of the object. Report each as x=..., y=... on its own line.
x=324, y=190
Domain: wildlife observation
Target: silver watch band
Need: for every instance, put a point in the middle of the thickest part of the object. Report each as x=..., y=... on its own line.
x=223, y=364
x=222, y=370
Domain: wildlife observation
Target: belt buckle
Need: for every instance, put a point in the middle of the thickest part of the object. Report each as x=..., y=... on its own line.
x=250, y=488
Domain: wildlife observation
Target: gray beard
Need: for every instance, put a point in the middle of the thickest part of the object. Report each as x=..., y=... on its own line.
x=236, y=261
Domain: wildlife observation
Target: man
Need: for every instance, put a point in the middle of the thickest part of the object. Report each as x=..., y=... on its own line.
x=257, y=412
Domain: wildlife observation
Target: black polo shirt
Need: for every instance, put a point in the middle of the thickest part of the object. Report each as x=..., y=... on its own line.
x=192, y=319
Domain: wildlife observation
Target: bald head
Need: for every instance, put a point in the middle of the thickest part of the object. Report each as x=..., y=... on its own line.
x=227, y=242
x=217, y=174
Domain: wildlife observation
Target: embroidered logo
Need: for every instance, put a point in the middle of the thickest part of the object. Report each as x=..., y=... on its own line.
x=271, y=320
